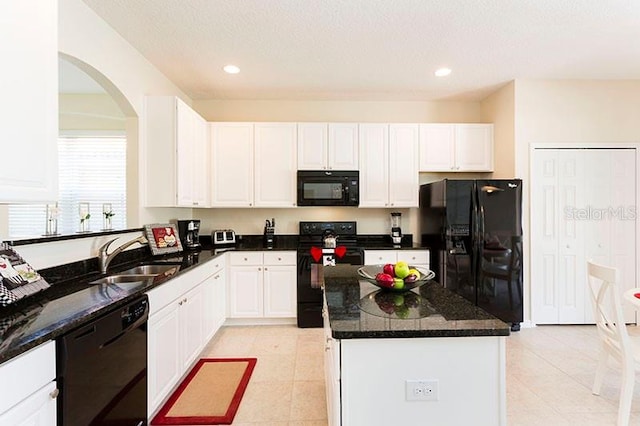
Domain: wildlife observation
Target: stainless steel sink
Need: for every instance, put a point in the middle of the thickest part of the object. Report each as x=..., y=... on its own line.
x=127, y=278
x=151, y=270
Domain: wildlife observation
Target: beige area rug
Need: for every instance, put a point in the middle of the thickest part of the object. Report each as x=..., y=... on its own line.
x=209, y=395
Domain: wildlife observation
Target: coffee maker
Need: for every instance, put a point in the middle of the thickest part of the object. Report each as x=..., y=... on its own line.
x=396, y=230
x=189, y=231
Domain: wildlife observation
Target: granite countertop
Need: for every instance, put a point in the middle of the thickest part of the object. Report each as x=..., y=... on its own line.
x=358, y=309
x=71, y=301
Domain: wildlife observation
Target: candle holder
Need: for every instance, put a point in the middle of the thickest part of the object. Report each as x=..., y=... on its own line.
x=83, y=212
x=107, y=214
x=53, y=211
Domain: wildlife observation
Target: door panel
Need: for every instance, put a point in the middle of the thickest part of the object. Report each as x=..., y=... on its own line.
x=589, y=196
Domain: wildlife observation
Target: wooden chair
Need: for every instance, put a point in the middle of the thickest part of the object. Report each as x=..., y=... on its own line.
x=615, y=341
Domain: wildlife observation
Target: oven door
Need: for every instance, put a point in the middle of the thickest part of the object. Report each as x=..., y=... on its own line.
x=310, y=283
x=320, y=188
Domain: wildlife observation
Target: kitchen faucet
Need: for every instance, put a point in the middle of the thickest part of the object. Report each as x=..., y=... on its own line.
x=105, y=258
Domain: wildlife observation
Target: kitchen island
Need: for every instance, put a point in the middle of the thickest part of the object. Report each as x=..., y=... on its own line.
x=427, y=356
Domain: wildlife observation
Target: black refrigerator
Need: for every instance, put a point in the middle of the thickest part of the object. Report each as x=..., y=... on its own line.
x=473, y=229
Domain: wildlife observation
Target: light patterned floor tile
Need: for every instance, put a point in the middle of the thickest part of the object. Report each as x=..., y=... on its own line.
x=549, y=376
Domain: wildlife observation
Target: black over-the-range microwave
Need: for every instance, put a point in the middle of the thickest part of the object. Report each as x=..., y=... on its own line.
x=328, y=188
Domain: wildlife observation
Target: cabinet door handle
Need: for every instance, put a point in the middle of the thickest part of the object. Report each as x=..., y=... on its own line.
x=265, y=268
x=245, y=259
x=54, y=393
x=180, y=303
x=259, y=269
x=279, y=258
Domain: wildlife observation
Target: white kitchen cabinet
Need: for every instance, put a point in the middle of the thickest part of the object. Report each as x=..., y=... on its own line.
x=327, y=146
x=275, y=164
x=27, y=388
x=175, y=338
x=37, y=410
x=389, y=165
x=280, y=276
x=176, y=154
x=231, y=164
x=262, y=284
x=404, y=184
x=331, y=372
x=165, y=366
x=374, y=165
x=215, y=299
x=412, y=257
x=453, y=147
x=29, y=122
x=191, y=320
x=253, y=164
x=177, y=329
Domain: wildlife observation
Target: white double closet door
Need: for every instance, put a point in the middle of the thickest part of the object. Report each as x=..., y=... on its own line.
x=583, y=207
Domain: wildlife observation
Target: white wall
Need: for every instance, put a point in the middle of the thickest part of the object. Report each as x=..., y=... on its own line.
x=574, y=112
x=498, y=108
x=128, y=77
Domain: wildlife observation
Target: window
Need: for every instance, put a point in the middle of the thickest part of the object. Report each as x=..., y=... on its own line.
x=90, y=170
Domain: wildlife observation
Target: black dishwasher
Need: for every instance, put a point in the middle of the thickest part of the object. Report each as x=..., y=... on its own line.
x=102, y=369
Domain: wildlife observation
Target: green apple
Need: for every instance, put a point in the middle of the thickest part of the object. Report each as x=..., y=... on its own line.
x=398, y=283
x=401, y=269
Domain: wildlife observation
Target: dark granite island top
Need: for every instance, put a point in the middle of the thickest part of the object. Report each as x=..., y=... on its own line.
x=428, y=354
x=358, y=309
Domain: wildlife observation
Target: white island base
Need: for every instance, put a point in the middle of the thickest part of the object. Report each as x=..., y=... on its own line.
x=366, y=381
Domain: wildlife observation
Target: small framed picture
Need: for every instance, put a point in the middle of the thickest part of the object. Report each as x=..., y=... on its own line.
x=163, y=238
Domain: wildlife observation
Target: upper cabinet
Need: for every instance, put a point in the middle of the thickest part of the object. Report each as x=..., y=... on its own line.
x=327, y=146
x=275, y=164
x=389, y=165
x=456, y=147
x=176, y=154
x=29, y=123
x=231, y=164
x=253, y=164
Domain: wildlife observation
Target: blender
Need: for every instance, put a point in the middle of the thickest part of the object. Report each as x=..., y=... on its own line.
x=396, y=231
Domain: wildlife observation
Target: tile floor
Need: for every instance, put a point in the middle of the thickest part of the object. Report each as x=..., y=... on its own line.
x=549, y=376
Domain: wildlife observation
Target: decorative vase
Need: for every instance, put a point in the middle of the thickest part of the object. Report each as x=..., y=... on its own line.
x=107, y=214
x=83, y=212
x=52, y=219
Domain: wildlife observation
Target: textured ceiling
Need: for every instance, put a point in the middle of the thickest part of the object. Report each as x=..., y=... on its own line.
x=376, y=49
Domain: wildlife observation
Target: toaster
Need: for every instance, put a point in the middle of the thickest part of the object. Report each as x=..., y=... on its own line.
x=223, y=236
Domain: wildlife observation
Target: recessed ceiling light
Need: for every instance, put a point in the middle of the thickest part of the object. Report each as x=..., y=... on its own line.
x=231, y=69
x=443, y=72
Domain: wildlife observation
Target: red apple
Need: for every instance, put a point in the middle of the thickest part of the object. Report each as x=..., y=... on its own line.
x=389, y=268
x=384, y=280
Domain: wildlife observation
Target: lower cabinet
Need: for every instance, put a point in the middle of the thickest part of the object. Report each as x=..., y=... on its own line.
x=38, y=409
x=412, y=257
x=331, y=373
x=215, y=288
x=262, y=284
x=28, y=389
x=182, y=320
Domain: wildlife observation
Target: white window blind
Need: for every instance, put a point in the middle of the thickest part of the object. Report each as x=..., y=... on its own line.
x=91, y=170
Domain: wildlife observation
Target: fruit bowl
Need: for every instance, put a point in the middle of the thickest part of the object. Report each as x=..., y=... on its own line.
x=370, y=272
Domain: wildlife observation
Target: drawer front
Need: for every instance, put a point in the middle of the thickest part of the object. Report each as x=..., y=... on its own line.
x=280, y=258
x=25, y=374
x=379, y=257
x=245, y=258
x=414, y=257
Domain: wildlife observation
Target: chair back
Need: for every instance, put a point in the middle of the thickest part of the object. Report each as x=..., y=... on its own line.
x=607, y=310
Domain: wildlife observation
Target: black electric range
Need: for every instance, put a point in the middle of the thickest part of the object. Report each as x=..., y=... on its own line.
x=311, y=261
